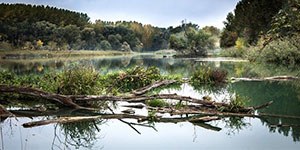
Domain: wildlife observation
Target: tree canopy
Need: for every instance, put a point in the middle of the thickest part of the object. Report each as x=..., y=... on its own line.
x=26, y=26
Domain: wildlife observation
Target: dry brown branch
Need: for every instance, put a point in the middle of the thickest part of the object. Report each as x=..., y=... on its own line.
x=154, y=85
x=65, y=100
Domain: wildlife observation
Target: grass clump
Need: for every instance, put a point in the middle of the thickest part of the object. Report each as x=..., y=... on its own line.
x=79, y=81
x=134, y=78
x=235, y=104
x=209, y=76
x=157, y=103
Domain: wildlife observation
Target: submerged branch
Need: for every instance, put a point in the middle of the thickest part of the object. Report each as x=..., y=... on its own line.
x=118, y=116
x=70, y=100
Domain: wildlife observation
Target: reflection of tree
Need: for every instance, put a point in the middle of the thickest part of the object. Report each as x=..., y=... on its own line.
x=215, y=90
x=235, y=124
x=285, y=102
x=78, y=134
x=125, y=61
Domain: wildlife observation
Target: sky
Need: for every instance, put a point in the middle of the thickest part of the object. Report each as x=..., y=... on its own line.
x=161, y=13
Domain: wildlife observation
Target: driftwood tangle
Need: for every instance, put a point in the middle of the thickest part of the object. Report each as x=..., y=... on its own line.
x=207, y=109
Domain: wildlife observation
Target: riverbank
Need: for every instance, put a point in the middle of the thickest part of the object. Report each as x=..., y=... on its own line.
x=37, y=54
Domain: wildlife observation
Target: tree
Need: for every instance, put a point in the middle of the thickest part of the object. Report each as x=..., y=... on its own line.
x=105, y=45
x=251, y=18
x=287, y=21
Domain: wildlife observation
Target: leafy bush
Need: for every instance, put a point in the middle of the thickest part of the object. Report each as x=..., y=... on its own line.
x=133, y=78
x=79, y=81
x=156, y=103
x=284, y=50
x=236, y=103
x=208, y=75
x=234, y=52
x=7, y=77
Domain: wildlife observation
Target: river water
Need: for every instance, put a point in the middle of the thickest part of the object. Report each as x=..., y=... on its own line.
x=227, y=133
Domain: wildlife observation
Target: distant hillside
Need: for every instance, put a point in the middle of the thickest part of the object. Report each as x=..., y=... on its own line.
x=48, y=28
x=15, y=13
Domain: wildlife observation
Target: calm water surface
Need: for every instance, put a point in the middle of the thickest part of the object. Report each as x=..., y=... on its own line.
x=228, y=133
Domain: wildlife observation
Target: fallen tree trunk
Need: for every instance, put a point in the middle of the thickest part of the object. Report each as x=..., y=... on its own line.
x=156, y=84
x=136, y=99
x=69, y=100
x=4, y=113
x=274, y=78
x=220, y=114
x=65, y=100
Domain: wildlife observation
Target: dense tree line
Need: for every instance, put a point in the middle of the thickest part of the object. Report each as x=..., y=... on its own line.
x=264, y=30
x=39, y=27
x=190, y=40
x=250, y=20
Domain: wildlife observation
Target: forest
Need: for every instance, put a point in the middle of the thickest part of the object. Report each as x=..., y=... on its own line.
x=263, y=30
x=39, y=27
x=239, y=85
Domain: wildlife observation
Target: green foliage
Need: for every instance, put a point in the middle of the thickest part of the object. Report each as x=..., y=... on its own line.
x=228, y=39
x=287, y=21
x=157, y=103
x=81, y=134
x=236, y=103
x=284, y=50
x=152, y=116
x=105, y=45
x=59, y=29
x=79, y=81
x=192, y=41
x=134, y=78
x=177, y=43
x=240, y=43
x=207, y=75
x=234, y=52
x=212, y=30
x=179, y=105
x=250, y=19
x=7, y=77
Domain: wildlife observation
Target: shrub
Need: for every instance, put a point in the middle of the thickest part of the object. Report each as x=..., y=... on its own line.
x=234, y=52
x=208, y=75
x=5, y=45
x=156, y=103
x=240, y=43
x=284, y=50
x=7, y=77
x=133, y=78
x=79, y=81
x=105, y=45
x=236, y=103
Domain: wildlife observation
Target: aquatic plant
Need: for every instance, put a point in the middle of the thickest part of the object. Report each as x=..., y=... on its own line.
x=236, y=103
x=133, y=78
x=79, y=81
x=157, y=103
x=207, y=75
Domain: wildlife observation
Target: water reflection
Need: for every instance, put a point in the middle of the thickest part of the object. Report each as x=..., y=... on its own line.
x=285, y=96
x=169, y=65
x=232, y=132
